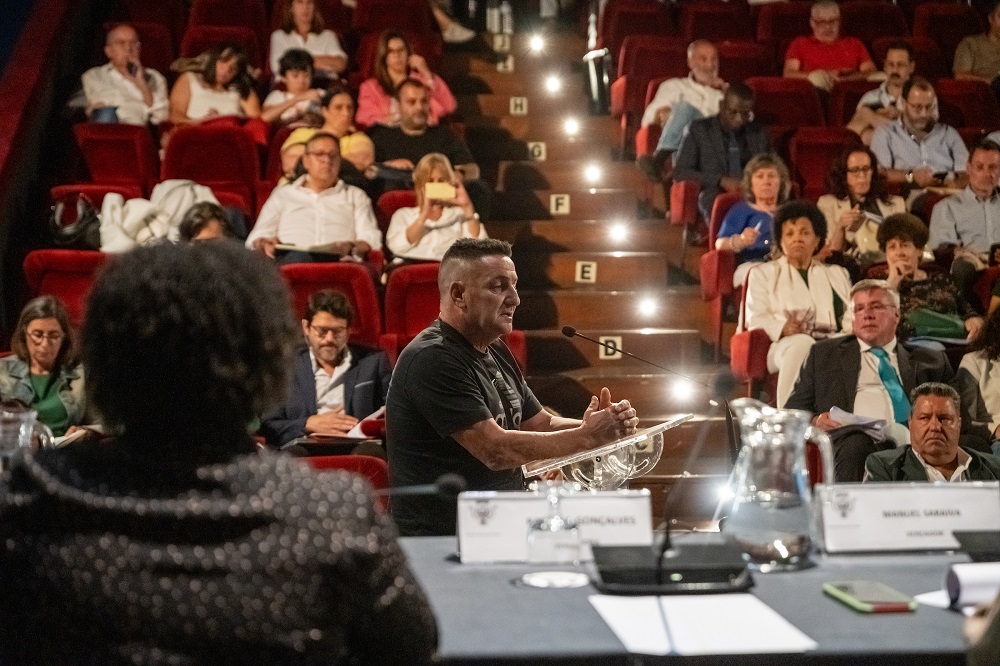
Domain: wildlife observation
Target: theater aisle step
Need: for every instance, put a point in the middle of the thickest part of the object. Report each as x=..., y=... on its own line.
x=592, y=254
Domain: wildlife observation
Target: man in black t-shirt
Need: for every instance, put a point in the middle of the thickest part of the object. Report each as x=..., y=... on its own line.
x=402, y=146
x=458, y=403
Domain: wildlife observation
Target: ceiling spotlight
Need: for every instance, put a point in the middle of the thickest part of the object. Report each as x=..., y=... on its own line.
x=618, y=232
x=553, y=83
x=592, y=173
x=648, y=306
x=571, y=126
x=536, y=44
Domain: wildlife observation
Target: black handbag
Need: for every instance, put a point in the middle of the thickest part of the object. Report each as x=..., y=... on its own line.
x=75, y=223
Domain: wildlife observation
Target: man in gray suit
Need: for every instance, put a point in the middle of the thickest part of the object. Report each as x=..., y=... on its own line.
x=867, y=373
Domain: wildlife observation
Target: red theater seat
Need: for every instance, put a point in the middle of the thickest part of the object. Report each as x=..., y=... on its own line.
x=869, y=20
x=715, y=21
x=272, y=169
x=119, y=154
x=786, y=102
x=716, y=269
x=249, y=14
x=217, y=155
x=374, y=470
x=741, y=60
x=811, y=151
x=378, y=15
x=390, y=202
x=169, y=13
x=844, y=100
x=947, y=23
x=966, y=103
x=780, y=22
x=643, y=58
x=65, y=274
x=351, y=279
x=748, y=353
x=633, y=18
x=96, y=191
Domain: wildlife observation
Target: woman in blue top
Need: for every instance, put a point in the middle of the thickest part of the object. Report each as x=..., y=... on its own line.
x=746, y=229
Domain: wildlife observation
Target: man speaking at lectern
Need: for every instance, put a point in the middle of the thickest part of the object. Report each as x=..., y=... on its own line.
x=458, y=403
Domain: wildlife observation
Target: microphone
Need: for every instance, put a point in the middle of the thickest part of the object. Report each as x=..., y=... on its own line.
x=669, y=568
x=570, y=332
x=446, y=486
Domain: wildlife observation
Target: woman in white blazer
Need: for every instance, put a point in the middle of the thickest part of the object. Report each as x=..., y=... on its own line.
x=794, y=297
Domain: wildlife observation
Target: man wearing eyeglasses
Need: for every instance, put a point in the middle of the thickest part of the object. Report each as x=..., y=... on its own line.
x=318, y=214
x=333, y=383
x=868, y=374
x=459, y=404
x=123, y=90
x=824, y=57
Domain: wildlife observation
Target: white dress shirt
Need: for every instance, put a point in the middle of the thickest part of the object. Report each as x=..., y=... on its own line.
x=433, y=244
x=704, y=98
x=330, y=388
x=872, y=399
x=105, y=86
x=298, y=216
x=933, y=474
x=323, y=44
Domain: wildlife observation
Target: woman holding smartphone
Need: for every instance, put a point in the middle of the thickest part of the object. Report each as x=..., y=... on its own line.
x=395, y=62
x=443, y=214
x=855, y=207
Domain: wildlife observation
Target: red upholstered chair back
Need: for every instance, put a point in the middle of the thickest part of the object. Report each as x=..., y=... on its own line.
x=967, y=104
x=336, y=16
x=119, y=154
x=631, y=18
x=786, y=102
x=201, y=38
x=249, y=14
x=272, y=170
x=352, y=280
x=947, y=23
x=212, y=153
x=65, y=274
x=812, y=150
x=95, y=191
x=780, y=22
x=379, y=15
x=844, y=100
x=983, y=286
x=390, y=202
x=412, y=300
x=374, y=470
x=170, y=13
x=715, y=21
x=869, y=20
x=743, y=59
x=723, y=202
x=643, y=58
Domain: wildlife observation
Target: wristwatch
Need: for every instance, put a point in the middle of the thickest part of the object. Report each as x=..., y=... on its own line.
x=909, y=176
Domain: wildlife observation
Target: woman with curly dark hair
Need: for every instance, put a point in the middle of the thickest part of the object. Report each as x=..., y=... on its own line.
x=395, y=62
x=177, y=542
x=902, y=238
x=978, y=380
x=856, y=205
x=43, y=372
x=222, y=88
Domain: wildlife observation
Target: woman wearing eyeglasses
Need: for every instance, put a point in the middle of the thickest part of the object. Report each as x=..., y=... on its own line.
x=43, y=372
x=855, y=207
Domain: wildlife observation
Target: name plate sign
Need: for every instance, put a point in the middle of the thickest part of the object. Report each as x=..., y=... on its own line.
x=875, y=517
x=493, y=526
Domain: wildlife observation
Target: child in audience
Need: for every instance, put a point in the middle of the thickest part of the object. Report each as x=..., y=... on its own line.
x=298, y=103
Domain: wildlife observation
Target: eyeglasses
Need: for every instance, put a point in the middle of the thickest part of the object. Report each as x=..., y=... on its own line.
x=877, y=308
x=323, y=331
x=320, y=155
x=39, y=336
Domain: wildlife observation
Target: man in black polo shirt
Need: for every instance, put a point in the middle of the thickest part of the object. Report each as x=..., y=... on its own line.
x=458, y=403
x=404, y=145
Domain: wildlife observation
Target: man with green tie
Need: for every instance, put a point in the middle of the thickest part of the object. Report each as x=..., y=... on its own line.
x=868, y=374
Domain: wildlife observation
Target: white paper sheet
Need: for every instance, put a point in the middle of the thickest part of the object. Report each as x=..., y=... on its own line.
x=973, y=583
x=692, y=625
x=941, y=599
x=356, y=430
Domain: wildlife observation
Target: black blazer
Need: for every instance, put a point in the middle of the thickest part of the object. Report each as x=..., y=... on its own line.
x=704, y=152
x=829, y=377
x=901, y=464
x=366, y=384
